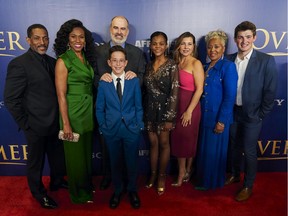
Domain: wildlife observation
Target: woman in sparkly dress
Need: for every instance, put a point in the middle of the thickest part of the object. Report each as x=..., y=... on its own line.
x=161, y=91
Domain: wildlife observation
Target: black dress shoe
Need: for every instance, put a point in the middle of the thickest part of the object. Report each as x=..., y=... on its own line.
x=105, y=183
x=114, y=201
x=48, y=202
x=56, y=187
x=134, y=200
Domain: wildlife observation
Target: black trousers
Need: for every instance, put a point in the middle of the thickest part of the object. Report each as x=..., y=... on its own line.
x=37, y=148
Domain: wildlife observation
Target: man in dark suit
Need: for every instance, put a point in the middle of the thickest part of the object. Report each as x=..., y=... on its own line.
x=120, y=119
x=30, y=96
x=119, y=30
x=256, y=90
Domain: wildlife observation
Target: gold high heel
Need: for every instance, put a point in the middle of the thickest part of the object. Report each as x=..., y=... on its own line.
x=151, y=180
x=161, y=179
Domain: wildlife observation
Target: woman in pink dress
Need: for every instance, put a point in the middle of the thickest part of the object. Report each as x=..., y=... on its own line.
x=185, y=135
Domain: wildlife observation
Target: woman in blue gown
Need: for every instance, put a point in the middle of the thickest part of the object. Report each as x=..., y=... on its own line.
x=217, y=103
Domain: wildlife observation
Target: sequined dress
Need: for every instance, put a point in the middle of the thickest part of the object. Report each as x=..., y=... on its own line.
x=160, y=95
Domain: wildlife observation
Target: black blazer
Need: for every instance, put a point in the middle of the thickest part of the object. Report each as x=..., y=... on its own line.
x=259, y=86
x=30, y=94
x=135, y=56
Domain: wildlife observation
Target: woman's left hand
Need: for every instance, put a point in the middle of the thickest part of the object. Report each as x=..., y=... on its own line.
x=186, y=119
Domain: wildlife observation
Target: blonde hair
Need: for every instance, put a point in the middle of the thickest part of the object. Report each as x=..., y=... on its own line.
x=218, y=34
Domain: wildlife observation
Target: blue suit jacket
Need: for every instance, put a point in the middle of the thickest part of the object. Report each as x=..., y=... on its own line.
x=259, y=86
x=219, y=94
x=110, y=112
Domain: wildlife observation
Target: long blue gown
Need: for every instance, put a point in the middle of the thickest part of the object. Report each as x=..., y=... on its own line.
x=217, y=104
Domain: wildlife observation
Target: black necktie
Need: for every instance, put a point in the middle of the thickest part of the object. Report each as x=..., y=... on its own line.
x=118, y=88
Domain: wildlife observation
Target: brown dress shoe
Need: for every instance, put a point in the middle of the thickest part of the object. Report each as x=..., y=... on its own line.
x=232, y=179
x=244, y=194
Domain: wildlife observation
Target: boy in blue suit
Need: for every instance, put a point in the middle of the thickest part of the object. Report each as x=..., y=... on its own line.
x=119, y=113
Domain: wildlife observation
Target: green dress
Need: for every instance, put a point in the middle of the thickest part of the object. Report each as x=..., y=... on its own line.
x=78, y=155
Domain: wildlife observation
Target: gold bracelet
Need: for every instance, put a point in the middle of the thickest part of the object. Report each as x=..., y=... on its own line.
x=221, y=124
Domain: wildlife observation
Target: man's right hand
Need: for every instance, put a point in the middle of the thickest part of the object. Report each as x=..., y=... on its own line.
x=106, y=77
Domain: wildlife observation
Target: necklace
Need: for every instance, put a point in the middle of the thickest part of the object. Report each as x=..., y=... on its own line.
x=209, y=67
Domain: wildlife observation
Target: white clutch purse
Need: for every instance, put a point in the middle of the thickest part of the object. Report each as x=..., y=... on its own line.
x=76, y=136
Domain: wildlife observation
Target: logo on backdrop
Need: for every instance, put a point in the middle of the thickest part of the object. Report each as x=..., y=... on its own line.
x=273, y=149
x=279, y=101
x=13, y=154
x=275, y=40
x=9, y=42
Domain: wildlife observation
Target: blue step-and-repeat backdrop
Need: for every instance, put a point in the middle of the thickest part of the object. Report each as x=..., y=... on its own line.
x=146, y=16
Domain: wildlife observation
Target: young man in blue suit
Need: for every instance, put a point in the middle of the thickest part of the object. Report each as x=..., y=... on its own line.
x=256, y=90
x=119, y=114
x=119, y=31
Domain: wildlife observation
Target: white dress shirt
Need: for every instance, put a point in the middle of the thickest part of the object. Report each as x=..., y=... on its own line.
x=122, y=81
x=241, y=65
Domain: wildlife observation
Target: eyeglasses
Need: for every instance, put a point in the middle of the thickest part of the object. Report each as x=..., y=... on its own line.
x=118, y=61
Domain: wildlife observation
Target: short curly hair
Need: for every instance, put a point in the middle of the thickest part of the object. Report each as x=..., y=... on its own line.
x=62, y=39
x=218, y=34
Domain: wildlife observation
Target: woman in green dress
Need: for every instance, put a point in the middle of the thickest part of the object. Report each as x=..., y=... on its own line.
x=74, y=47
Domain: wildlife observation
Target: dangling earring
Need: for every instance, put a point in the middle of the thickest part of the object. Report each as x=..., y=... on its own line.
x=84, y=47
x=166, y=52
x=68, y=46
x=151, y=54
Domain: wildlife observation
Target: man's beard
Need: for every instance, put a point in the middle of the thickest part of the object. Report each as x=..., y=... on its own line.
x=118, y=41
